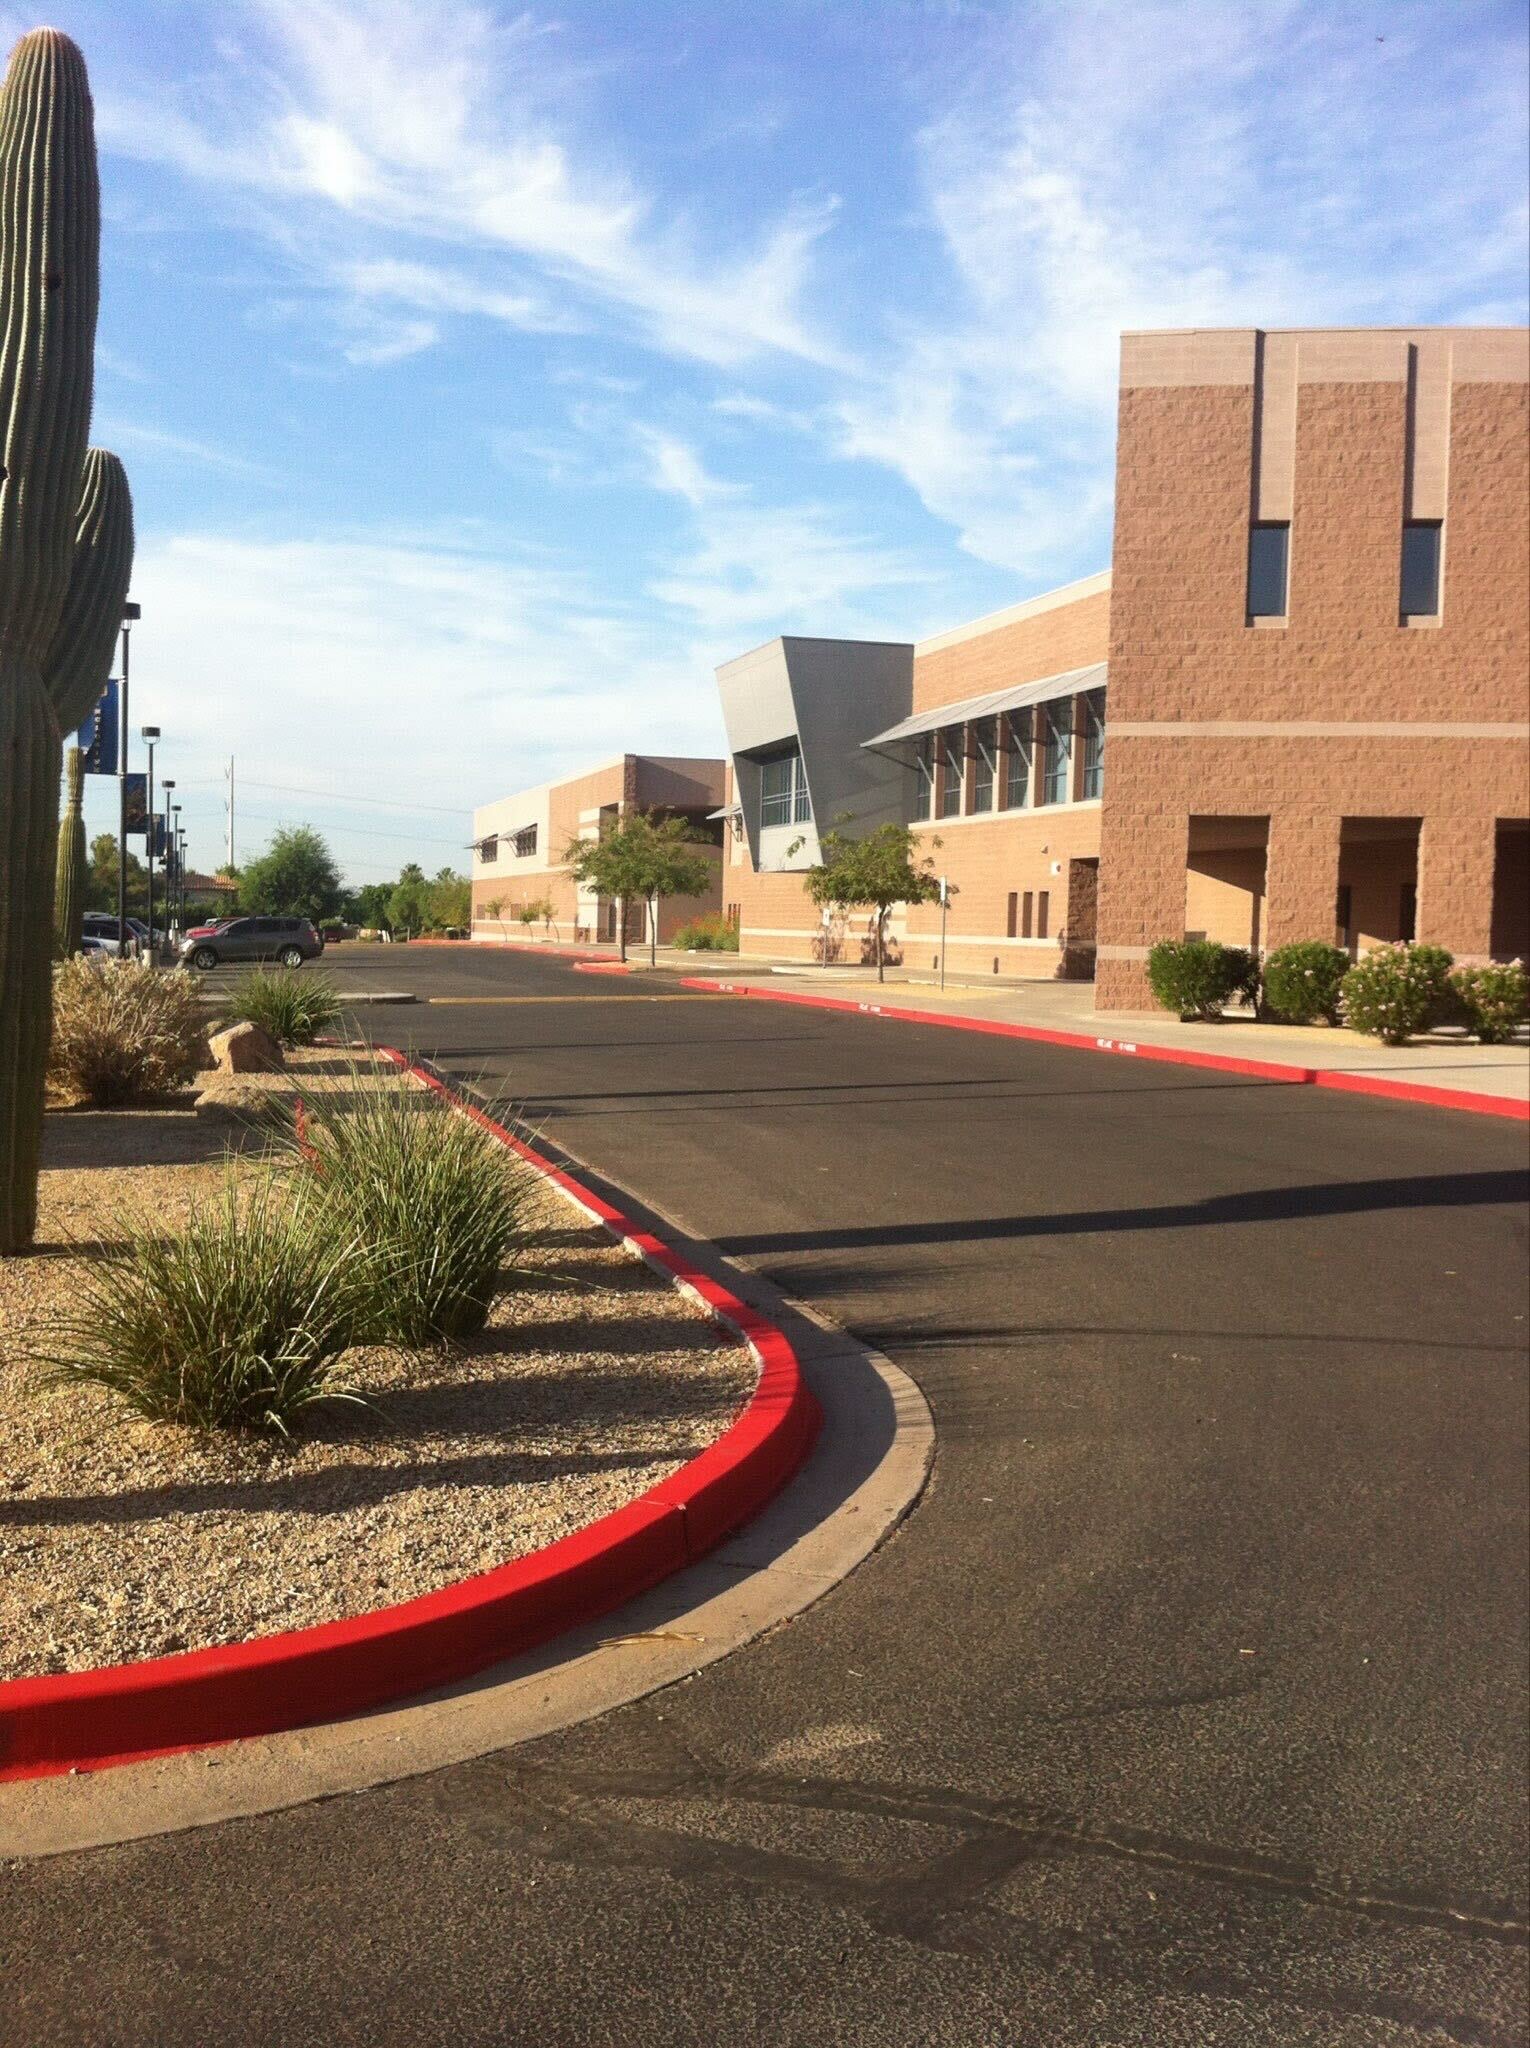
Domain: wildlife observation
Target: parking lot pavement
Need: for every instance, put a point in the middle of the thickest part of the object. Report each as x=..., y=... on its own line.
x=1188, y=1706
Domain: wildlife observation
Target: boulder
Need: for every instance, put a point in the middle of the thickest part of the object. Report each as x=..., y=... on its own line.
x=241, y=1103
x=245, y=1049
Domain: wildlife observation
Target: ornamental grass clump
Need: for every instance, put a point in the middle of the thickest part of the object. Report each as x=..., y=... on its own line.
x=1195, y=977
x=123, y=1031
x=238, y=1321
x=427, y=1198
x=1494, y=1000
x=1302, y=982
x=292, y=1006
x=1396, y=991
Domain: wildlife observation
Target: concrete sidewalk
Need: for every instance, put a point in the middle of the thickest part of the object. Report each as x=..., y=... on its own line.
x=1444, y=1060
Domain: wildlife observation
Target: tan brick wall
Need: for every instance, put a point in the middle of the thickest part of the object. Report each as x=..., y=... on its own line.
x=1181, y=651
x=1072, y=636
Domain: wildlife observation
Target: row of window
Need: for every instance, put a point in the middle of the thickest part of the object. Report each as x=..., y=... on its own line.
x=1269, y=569
x=1000, y=770
x=522, y=844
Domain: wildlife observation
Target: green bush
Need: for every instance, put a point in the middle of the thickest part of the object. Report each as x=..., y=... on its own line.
x=710, y=933
x=428, y=1199
x=294, y=1006
x=237, y=1322
x=1398, y=990
x=124, y=1030
x=1195, y=977
x=1302, y=983
x=1494, y=1000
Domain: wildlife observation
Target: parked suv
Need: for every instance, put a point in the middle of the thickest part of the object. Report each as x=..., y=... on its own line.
x=291, y=940
x=96, y=924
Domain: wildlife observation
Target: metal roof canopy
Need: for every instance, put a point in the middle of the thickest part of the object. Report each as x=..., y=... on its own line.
x=1013, y=697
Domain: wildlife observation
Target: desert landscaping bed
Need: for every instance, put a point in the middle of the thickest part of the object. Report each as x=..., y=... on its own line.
x=123, y=1539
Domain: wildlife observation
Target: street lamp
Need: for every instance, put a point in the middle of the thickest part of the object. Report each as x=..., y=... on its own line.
x=130, y=612
x=149, y=734
x=167, y=785
x=180, y=873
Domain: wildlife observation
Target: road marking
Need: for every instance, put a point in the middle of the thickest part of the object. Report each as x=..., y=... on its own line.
x=468, y=1002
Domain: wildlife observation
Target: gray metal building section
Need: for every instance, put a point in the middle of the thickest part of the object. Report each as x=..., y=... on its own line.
x=830, y=697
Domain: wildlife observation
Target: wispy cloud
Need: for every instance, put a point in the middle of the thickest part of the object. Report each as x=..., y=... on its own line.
x=119, y=434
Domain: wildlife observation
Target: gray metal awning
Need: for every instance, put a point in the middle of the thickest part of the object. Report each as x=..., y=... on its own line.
x=1013, y=697
x=728, y=811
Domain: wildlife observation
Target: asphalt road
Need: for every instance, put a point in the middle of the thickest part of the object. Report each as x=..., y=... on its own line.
x=1188, y=1706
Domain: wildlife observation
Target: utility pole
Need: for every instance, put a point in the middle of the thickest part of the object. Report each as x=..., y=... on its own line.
x=130, y=611
x=229, y=772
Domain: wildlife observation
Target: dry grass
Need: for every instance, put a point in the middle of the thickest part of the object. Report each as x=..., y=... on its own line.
x=124, y=1031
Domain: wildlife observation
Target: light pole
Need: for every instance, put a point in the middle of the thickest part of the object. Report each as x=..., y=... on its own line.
x=149, y=734
x=167, y=785
x=180, y=865
x=130, y=612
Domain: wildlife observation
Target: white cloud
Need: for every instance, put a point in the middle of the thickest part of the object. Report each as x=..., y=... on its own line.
x=119, y=434
x=377, y=118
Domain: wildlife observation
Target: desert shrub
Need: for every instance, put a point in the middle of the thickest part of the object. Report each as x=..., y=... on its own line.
x=1302, y=982
x=1398, y=990
x=294, y=1006
x=709, y=933
x=238, y=1321
x=1195, y=977
x=124, y=1030
x=428, y=1199
x=1494, y=1000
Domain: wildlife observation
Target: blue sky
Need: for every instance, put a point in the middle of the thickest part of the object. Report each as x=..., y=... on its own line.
x=486, y=376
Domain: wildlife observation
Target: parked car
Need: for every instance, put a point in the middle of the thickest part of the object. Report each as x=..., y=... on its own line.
x=209, y=925
x=291, y=940
x=99, y=925
x=98, y=949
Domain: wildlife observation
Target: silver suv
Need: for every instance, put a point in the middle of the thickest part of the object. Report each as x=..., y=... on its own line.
x=291, y=940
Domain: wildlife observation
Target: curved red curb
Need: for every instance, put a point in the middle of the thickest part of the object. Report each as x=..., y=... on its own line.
x=88, y=1720
x=1173, y=1055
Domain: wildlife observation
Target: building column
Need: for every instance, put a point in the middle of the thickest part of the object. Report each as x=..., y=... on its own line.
x=1301, y=879
x=1143, y=853
x=1455, y=885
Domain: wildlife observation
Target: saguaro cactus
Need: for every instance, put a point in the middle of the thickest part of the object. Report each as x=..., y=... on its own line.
x=65, y=548
x=69, y=873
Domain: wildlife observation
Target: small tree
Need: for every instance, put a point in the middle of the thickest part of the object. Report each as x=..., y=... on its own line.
x=450, y=900
x=495, y=908
x=409, y=904
x=877, y=871
x=296, y=876
x=640, y=858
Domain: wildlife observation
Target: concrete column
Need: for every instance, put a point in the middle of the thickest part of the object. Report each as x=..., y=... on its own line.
x=1455, y=884
x=1301, y=878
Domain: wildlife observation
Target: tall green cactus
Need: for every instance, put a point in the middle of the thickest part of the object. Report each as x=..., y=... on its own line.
x=65, y=549
x=69, y=873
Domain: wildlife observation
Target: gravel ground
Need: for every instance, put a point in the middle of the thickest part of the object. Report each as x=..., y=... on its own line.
x=122, y=1539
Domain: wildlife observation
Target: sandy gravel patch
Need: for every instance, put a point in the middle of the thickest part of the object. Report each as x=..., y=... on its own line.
x=122, y=1539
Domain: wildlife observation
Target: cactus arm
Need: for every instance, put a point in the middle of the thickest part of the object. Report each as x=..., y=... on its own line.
x=69, y=883
x=79, y=658
x=49, y=285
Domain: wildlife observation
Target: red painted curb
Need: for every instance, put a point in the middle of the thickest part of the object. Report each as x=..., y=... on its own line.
x=1261, y=1070
x=89, y=1720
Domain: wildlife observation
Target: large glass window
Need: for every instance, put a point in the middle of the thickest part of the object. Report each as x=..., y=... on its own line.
x=952, y=763
x=1269, y=554
x=924, y=778
x=1421, y=569
x=1094, y=743
x=783, y=791
x=1018, y=757
x=985, y=747
x=1058, y=741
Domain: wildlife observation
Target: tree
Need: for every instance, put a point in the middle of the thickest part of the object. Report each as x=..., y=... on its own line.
x=641, y=858
x=877, y=871
x=368, y=905
x=450, y=900
x=495, y=908
x=101, y=877
x=409, y=904
x=534, y=910
x=296, y=876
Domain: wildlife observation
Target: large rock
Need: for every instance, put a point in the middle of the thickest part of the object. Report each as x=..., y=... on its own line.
x=245, y=1049
x=241, y=1103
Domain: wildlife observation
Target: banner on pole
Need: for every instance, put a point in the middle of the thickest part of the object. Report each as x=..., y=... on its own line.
x=98, y=734
x=136, y=799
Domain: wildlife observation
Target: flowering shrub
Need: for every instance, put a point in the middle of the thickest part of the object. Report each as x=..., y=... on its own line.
x=1494, y=1000
x=1398, y=990
x=1195, y=977
x=1302, y=982
x=711, y=933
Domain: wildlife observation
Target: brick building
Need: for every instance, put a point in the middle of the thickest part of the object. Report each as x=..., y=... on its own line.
x=519, y=842
x=1313, y=649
